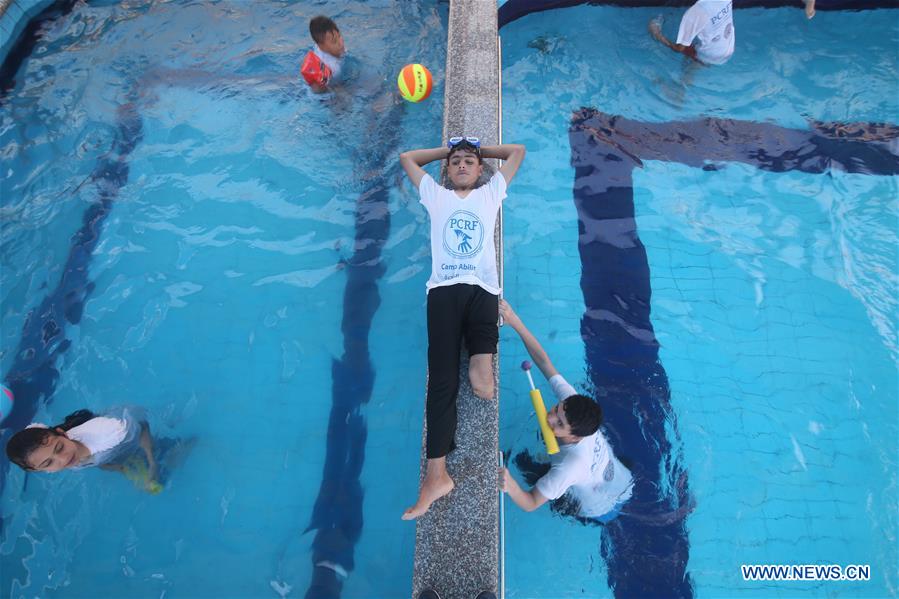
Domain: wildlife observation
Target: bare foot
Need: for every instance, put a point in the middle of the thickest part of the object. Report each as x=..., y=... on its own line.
x=431, y=491
x=809, y=8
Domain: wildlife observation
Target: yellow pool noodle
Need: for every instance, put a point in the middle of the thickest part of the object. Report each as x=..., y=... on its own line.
x=552, y=446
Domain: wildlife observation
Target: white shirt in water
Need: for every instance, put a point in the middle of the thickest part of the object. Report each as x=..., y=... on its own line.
x=334, y=63
x=462, y=248
x=588, y=469
x=110, y=435
x=99, y=434
x=713, y=23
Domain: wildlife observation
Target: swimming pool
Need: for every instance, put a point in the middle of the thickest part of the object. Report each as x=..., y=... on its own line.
x=229, y=295
x=773, y=297
x=233, y=289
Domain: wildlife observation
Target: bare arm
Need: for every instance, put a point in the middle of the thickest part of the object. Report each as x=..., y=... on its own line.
x=146, y=443
x=809, y=8
x=535, y=350
x=656, y=30
x=413, y=160
x=511, y=154
x=526, y=500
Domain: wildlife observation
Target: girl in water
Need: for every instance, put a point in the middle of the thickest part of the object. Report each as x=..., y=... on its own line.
x=112, y=441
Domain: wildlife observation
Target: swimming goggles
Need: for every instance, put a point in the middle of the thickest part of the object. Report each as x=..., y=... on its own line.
x=455, y=141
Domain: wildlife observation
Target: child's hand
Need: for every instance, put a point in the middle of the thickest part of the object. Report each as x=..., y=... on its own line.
x=508, y=314
x=506, y=481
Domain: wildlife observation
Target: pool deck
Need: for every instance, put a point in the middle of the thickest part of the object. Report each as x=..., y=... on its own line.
x=457, y=541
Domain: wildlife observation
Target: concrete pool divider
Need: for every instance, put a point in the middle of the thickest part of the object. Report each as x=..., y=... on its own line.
x=457, y=541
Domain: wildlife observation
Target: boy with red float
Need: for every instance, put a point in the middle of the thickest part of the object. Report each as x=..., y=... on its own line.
x=324, y=62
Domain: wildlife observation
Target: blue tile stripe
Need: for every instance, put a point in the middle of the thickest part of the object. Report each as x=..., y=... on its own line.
x=34, y=373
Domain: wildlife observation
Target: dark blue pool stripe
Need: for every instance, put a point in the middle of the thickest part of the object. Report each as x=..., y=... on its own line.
x=866, y=148
x=646, y=548
x=515, y=9
x=337, y=515
x=33, y=374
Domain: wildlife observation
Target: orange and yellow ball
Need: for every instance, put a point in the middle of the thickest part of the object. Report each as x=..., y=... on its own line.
x=414, y=82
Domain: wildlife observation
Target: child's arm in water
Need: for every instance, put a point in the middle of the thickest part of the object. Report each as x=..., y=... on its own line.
x=146, y=443
x=511, y=154
x=536, y=351
x=655, y=29
x=526, y=500
x=413, y=160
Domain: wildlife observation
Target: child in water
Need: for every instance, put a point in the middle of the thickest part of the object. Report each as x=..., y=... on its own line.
x=324, y=62
x=112, y=441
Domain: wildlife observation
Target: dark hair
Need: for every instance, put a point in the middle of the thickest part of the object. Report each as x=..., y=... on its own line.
x=319, y=26
x=20, y=445
x=584, y=415
x=468, y=147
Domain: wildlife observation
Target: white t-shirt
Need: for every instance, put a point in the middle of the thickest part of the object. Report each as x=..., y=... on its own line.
x=334, y=63
x=587, y=469
x=109, y=436
x=462, y=249
x=712, y=21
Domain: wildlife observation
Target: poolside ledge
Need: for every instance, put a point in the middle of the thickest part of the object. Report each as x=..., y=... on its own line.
x=457, y=541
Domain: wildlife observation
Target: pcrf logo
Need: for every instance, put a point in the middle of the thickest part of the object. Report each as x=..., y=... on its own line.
x=721, y=14
x=463, y=234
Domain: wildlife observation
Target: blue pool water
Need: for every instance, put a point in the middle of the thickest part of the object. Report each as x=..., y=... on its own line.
x=226, y=292
x=229, y=297
x=773, y=303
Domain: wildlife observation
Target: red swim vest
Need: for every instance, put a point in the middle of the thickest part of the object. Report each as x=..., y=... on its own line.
x=314, y=71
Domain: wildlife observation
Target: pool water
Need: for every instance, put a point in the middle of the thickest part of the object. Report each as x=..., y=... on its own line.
x=773, y=299
x=216, y=296
x=260, y=230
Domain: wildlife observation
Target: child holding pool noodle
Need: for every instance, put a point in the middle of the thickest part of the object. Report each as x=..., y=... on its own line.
x=585, y=466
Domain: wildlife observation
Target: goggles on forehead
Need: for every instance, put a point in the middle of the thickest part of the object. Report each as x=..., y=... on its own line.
x=474, y=142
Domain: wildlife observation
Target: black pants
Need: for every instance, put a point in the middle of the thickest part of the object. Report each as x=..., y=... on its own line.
x=454, y=312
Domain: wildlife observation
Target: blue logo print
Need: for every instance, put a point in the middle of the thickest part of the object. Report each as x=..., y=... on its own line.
x=463, y=234
x=464, y=246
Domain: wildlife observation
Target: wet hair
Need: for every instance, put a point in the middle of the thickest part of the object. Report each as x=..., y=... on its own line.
x=584, y=415
x=321, y=25
x=468, y=147
x=20, y=445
